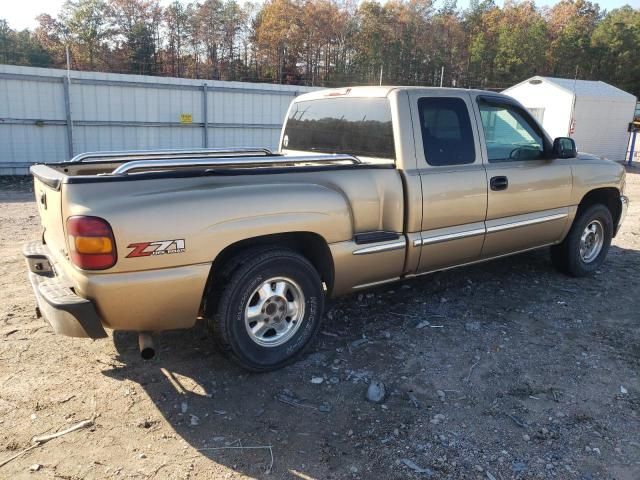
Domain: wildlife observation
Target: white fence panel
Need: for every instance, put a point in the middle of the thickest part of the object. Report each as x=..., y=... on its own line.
x=46, y=118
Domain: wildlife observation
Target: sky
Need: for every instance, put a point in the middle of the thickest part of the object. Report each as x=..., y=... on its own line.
x=21, y=14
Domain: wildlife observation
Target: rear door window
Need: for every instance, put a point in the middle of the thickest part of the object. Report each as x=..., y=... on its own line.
x=356, y=126
x=447, y=137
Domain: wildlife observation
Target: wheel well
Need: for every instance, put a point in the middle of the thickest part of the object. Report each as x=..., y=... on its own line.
x=609, y=197
x=310, y=245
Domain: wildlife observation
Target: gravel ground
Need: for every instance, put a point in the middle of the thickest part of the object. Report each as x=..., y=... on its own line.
x=497, y=371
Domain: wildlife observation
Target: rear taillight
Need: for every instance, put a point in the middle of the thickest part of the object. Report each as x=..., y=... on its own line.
x=91, y=243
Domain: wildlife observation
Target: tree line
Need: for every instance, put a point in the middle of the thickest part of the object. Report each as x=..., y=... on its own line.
x=338, y=42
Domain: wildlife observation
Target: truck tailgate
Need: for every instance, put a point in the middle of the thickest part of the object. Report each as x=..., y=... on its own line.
x=48, y=189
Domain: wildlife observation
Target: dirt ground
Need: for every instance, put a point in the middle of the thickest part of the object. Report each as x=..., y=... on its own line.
x=497, y=371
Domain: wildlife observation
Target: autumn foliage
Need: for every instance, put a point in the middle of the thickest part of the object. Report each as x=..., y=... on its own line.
x=337, y=43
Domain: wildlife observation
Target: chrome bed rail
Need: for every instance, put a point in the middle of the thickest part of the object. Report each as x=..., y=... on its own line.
x=230, y=162
x=132, y=155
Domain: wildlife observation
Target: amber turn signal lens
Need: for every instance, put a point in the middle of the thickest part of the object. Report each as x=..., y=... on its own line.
x=93, y=244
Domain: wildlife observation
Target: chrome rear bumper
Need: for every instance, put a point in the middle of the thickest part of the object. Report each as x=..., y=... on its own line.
x=68, y=313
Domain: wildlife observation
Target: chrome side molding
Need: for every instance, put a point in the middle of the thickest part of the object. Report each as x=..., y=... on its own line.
x=447, y=237
x=524, y=223
x=430, y=237
x=384, y=247
x=375, y=284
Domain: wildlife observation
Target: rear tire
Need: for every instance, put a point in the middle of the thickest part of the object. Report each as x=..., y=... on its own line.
x=585, y=248
x=269, y=310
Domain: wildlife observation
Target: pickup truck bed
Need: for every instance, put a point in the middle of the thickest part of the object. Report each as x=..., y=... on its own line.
x=365, y=198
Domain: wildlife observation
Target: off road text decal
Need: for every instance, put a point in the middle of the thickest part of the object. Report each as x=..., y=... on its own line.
x=160, y=247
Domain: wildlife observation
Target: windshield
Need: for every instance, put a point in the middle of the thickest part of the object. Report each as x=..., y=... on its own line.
x=356, y=126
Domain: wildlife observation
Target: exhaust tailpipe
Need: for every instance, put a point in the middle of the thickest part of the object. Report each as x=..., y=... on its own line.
x=145, y=343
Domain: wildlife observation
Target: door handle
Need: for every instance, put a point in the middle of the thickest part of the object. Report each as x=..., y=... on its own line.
x=499, y=183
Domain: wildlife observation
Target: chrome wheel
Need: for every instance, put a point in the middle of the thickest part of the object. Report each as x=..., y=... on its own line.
x=274, y=312
x=591, y=241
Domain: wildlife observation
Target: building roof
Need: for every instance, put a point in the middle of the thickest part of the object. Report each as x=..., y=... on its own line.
x=581, y=88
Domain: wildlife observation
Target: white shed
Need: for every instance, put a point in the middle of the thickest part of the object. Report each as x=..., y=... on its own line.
x=595, y=114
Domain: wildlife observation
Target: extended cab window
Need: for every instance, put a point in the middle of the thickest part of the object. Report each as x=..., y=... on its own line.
x=356, y=126
x=446, y=131
x=509, y=133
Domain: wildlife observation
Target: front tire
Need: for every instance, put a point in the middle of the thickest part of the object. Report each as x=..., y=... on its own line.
x=269, y=310
x=585, y=248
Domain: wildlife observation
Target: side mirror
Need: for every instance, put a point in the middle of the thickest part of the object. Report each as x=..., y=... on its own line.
x=564, y=147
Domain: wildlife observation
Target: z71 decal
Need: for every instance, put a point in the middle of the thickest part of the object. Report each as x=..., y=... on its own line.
x=160, y=247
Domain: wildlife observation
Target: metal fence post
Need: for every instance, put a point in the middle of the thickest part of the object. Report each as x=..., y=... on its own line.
x=205, y=119
x=633, y=147
x=67, y=109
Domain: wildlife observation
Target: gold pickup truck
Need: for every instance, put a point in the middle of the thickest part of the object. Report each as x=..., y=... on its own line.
x=370, y=185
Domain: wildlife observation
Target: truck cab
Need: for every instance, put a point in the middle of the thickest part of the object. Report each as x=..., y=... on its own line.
x=481, y=177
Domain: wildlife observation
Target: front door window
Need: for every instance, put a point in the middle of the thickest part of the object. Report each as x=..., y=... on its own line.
x=509, y=134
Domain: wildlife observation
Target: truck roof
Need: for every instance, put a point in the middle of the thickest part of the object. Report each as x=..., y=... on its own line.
x=379, y=91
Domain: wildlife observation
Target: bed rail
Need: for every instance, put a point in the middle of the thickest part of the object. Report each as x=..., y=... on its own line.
x=132, y=155
x=230, y=162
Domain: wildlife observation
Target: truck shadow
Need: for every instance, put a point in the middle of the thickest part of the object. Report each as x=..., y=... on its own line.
x=214, y=405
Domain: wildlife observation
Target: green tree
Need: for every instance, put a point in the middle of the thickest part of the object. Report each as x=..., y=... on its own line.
x=232, y=19
x=450, y=49
x=481, y=22
x=571, y=24
x=209, y=14
x=22, y=48
x=136, y=35
x=176, y=20
x=141, y=49
x=29, y=51
x=85, y=26
x=7, y=43
x=49, y=34
x=372, y=41
x=520, y=44
x=617, y=57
